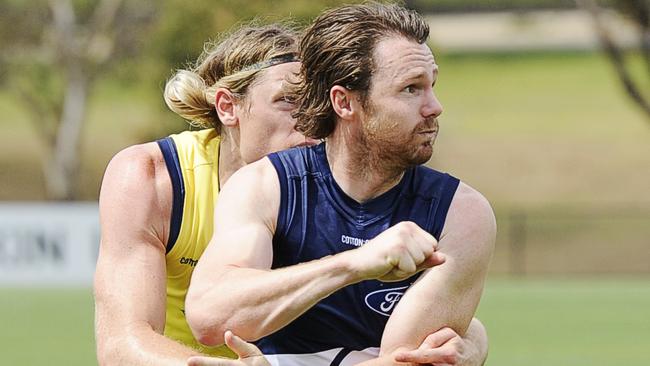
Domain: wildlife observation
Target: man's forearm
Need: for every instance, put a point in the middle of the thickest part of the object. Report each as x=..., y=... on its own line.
x=442, y=347
x=140, y=347
x=477, y=340
x=254, y=303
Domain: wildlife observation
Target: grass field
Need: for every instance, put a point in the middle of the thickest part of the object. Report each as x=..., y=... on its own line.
x=568, y=322
x=576, y=322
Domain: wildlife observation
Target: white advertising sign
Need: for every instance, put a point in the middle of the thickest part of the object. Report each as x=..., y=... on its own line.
x=48, y=243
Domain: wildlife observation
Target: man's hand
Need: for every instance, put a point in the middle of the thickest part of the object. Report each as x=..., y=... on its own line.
x=397, y=253
x=444, y=347
x=249, y=355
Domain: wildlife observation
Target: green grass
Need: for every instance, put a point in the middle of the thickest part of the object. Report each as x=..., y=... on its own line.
x=576, y=322
x=567, y=322
x=47, y=327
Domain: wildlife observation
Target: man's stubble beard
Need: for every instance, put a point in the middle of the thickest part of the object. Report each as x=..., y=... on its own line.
x=381, y=148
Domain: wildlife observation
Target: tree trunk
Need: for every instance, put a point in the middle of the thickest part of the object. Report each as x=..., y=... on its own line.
x=62, y=165
x=615, y=53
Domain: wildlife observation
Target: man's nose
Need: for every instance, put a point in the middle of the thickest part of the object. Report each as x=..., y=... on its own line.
x=432, y=106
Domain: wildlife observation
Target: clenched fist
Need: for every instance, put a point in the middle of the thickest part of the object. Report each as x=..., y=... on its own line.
x=396, y=254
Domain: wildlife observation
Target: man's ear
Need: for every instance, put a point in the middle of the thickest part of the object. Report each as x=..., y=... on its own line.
x=224, y=103
x=343, y=102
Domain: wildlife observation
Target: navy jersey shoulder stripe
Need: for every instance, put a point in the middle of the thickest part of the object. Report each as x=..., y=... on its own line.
x=447, y=191
x=168, y=148
x=288, y=167
x=446, y=196
x=284, y=196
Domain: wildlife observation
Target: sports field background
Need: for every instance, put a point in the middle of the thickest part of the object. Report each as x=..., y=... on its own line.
x=501, y=139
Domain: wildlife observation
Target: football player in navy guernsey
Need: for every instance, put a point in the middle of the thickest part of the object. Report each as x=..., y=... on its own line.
x=350, y=252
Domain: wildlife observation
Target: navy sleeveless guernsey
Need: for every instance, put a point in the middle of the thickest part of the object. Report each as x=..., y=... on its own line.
x=317, y=219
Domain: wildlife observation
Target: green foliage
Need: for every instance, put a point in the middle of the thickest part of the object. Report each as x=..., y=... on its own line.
x=44, y=103
x=26, y=31
x=546, y=108
x=487, y=5
x=495, y=5
x=21, y=22
x=183, y=27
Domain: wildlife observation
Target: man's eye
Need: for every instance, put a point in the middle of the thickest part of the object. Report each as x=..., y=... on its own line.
x=410, y=89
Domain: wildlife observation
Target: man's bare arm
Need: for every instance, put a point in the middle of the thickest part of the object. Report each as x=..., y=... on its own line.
x=130, y=277
x=232, y=287
x=446, y=295
x=477, y=338
x=445, y=346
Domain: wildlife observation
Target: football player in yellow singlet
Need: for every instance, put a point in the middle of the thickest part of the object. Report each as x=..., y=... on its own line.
x=157, y=200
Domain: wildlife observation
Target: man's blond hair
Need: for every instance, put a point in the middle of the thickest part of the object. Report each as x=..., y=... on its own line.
x=226, y=64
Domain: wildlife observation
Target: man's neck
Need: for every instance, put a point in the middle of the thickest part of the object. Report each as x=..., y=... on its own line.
x=355, y=170
x=229, y=159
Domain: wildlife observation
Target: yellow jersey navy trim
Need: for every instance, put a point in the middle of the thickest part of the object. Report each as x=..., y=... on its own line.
x=196, y=156
x=170, y=154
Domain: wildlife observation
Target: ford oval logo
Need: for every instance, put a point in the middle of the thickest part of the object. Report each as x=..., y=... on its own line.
x=384, y=301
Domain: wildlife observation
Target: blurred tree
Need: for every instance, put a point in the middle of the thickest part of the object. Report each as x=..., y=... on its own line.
x=185, y=26
x=639, y=12
x=486, y=5
x=54, y=52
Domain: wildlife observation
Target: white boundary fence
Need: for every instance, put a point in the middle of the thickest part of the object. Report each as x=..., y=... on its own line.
x=43, y=244
x=48, y=243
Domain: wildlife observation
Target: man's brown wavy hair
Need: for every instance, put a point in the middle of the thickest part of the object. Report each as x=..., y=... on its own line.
x=337, y=49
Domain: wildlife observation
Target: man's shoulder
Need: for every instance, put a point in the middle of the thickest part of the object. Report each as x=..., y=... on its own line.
x=135, y=170
x=135, y=198
x=468, y=197
x=142, y=159
x=471, y=212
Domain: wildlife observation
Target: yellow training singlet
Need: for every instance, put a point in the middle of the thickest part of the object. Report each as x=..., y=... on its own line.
x=192, y=159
